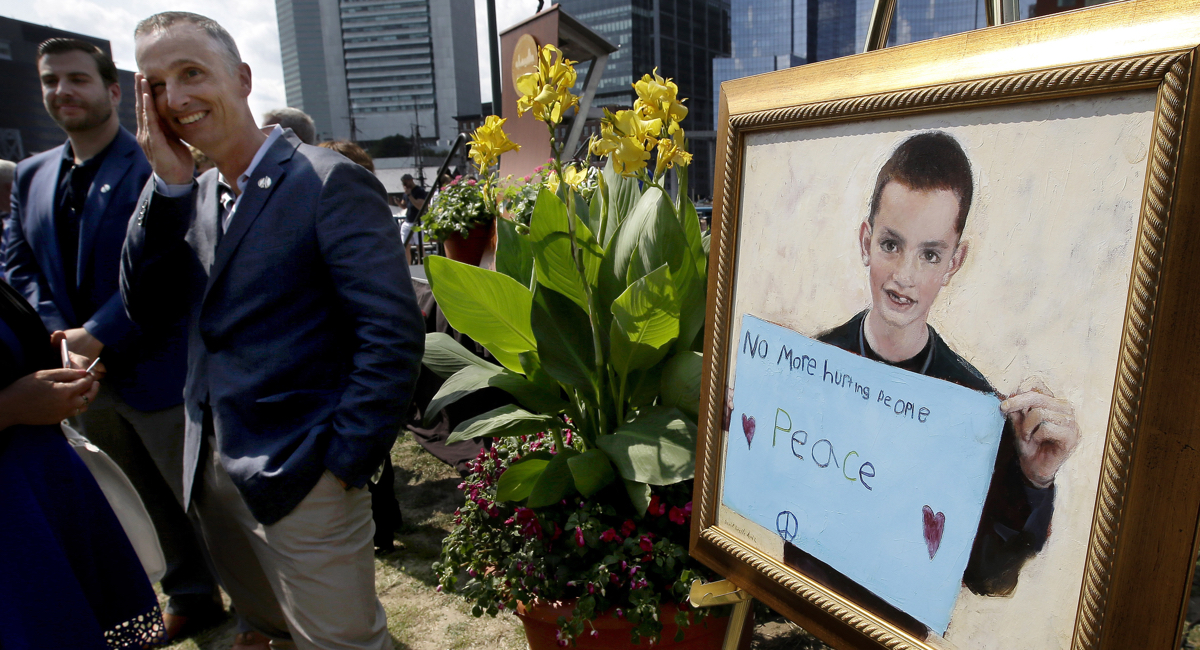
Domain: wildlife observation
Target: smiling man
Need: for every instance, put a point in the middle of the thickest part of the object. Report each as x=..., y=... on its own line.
x=304, y=338
x=911, y=243
x=71, y=207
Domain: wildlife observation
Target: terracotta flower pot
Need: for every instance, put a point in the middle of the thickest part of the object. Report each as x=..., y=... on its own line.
x=469, y=249
x=612, y=633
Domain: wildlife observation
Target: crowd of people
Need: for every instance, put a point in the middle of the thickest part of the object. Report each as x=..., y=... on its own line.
x=242, y=338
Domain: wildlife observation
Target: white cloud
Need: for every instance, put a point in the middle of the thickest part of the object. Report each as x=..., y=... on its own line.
x=251, y=23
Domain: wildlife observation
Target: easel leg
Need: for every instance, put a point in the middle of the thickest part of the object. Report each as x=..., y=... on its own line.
x=737, y=623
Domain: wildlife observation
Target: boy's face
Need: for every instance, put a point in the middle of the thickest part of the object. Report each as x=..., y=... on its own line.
x=912, y=252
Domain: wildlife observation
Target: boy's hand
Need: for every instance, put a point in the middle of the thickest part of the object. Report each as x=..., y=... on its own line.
x=1046, y=430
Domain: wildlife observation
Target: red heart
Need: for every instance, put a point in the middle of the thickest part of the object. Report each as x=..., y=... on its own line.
x=934, y=526
x=748, y=428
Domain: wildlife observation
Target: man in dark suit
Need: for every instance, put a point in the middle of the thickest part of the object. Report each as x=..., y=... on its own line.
x=71, y=207
x=304, y=337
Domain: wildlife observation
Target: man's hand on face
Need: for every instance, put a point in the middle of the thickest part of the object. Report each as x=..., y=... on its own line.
x=168, y=155
x=1046, y=430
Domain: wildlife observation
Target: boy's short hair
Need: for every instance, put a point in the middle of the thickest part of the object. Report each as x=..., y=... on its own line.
x=926, y=162
x=104, y=62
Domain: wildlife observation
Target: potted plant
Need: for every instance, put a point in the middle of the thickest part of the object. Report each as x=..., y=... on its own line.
x=462, y=212
x=580, y=512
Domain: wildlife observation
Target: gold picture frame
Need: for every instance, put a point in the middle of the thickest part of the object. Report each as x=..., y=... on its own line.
x=1142, y=542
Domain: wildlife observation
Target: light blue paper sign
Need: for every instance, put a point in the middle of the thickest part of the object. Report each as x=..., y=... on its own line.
x=879, y=472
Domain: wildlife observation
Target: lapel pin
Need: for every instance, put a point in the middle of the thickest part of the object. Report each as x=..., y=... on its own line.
x=264, y=182
x=105, y=188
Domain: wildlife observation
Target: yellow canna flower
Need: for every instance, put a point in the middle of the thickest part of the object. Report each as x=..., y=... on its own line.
x=489, y=141
x=547, y=91
x=574, y=177
x=658, y=99
x=627, y=139
x=552, y=182
x=671, y=152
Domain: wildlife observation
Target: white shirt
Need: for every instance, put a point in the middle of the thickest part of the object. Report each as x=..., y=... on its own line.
x=175, y=191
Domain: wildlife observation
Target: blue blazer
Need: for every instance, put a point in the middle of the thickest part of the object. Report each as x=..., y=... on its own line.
x=304, y=335
x=145, y=367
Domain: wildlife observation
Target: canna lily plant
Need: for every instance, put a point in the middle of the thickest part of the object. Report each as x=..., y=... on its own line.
x=594, y=314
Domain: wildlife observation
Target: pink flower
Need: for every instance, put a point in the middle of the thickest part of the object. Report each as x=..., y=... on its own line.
x=610, y=535
x=471, y=181
x=527, y=179
x=579, y=537
x=656, y=507
x=628, y=527
x=646, y=543
x=536, y=170
x=678, y=515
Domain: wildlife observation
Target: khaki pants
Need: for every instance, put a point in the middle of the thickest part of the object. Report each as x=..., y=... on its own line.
x=308, y=579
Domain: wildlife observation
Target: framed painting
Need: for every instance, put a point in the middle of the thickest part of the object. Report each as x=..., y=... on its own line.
x=951, y=397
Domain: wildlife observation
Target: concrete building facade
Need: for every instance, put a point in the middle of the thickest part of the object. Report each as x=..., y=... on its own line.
x=368, y=69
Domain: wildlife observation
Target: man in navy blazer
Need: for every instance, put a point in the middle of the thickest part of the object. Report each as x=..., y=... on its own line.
x=70, y=210
x=304, y=337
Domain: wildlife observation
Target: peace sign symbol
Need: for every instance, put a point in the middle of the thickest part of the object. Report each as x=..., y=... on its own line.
x=787, y=526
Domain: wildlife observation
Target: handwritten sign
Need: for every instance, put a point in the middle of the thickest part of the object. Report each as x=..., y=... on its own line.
x=879, y=472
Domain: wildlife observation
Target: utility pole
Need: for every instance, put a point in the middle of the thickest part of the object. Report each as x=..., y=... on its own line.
x=494, y=49
x=417, y=147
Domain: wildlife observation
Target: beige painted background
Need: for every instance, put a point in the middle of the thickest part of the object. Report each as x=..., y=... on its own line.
x=1058, y=187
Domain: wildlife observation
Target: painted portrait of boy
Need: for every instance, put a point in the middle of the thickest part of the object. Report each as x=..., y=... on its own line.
x=911, y=244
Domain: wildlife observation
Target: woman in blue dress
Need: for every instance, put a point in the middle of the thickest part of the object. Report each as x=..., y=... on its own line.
x=68, y=575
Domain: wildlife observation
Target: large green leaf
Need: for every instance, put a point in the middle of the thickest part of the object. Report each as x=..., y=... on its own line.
x=514, y=254
x=564, y=337
x=692, y=295
x=690, y=221
x=618, y=252
x=507, y=420
x=639, y=494
x=645, y=320
x=591, y=471
x=473, y=378
x=551, y=242
x=518, y=480
x=643, y=386
x=681, y=383
x=623, y=193
x=657, y=447
x=556, y=481
x=445, y=356
x=489, y=307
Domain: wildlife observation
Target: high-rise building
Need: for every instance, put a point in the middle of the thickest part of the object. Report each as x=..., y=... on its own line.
x=25, y=127
x=772, y=35
x=368, y=69
x=680, y=38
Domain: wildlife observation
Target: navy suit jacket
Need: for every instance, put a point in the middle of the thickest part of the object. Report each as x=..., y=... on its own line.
x=145, y=367
x=304, y=335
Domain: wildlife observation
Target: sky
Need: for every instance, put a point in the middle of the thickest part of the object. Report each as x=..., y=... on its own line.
x=251, y=23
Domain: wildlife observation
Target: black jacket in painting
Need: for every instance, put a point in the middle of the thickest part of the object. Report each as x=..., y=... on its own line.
x=1016, y=516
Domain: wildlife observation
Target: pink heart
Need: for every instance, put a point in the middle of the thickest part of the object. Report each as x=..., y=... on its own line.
x=748, y=428
x=934, y=526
